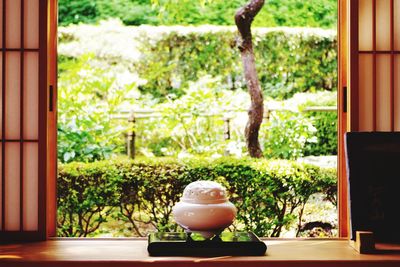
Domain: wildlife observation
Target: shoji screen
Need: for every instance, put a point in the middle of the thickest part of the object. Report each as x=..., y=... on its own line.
x=23, y=107
x=375, y=65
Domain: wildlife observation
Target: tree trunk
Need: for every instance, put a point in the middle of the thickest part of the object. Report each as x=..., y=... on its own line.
x=243, y=19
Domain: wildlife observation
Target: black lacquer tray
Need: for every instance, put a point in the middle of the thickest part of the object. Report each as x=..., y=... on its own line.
x=226, y=244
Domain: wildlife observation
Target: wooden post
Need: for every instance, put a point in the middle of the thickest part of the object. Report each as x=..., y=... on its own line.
x=131, y=136
x=267, y=114
x=227, y=129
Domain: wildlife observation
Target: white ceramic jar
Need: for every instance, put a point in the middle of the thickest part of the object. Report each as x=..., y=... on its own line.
x=204, y=208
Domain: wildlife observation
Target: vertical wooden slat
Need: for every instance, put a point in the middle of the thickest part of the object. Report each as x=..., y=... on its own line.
x=366, y=93
x=52, y=123
x=21, y=122
x=31, y=21
x=1, y=190
x=364, y=10
x=1, y=154
x=374, y=63
x=31, y=96
x=1, y=22
x=43, y=104
x=12, y=96
x=3, y=107
x=397, y=92
x=12, y=35
x=392, y=101
x=30, y=190
x=11, y=167
x=383, y=100
x=383, y=25
x=353, y=64
x=396, y=18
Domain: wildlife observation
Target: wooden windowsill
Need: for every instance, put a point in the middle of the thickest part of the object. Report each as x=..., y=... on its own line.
x=128, y=252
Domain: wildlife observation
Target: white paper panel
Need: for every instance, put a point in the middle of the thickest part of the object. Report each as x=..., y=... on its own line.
x=1, y=95
x=397, y=25
x=13, y=23
x=31, y=95
x=12, y=186
x=1, y=189
x=383, y=93
x=1, y=23
x=383, y=25
x=397, y=93
x=13, y=94
x=365, y=93
x=31, y=23
x=365, y=24
x=30, y=187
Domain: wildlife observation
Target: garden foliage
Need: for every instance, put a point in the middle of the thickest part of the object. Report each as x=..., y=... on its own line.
x=167, y=58
x=324, y=122
x=269, y=195
x=296, y=132
x=89, y=95
x=289, y=60
x=185, y=73
x=321, y=13
x=286, y=134
x=192, y=77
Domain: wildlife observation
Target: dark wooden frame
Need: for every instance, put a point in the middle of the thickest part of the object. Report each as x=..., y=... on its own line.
x=342, y=115
x=51, y=188
x=354, y=52
x=40, y=234
x=48, y=120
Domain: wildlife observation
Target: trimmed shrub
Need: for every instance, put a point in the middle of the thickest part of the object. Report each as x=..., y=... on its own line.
x=289, y=60
x=320, y=13
x=269, y=195
x=86, y=194
x=298, y=132
x=326, y=125
x=286, y=133
x=324, y=122
x=149, y=190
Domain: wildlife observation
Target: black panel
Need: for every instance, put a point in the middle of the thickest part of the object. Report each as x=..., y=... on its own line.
x=373, y=170
x=228, y=243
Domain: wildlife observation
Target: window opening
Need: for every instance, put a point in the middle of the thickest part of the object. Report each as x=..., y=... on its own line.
x=150, y=98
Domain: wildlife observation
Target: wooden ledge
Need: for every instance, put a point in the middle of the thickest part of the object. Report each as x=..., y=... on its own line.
x=128, y=252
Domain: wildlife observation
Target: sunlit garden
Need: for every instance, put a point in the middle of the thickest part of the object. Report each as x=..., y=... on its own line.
x=152, y=96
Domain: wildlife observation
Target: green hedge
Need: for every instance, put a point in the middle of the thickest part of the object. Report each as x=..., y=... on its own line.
x=321, y=13
x=327, y=134
x=289, y=60
x=324, y=122
x=269, y=195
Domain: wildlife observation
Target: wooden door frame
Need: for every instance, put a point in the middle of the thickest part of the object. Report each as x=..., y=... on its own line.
x=343, y=117
x=343, y=109
x=52, y=69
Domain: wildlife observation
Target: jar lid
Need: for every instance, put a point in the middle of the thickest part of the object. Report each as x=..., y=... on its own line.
x=204, y=192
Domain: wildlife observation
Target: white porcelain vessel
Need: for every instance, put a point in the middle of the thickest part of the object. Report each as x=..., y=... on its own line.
x=204, y=208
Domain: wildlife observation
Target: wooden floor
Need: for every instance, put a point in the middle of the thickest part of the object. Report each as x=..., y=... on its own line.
x=125, y=252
